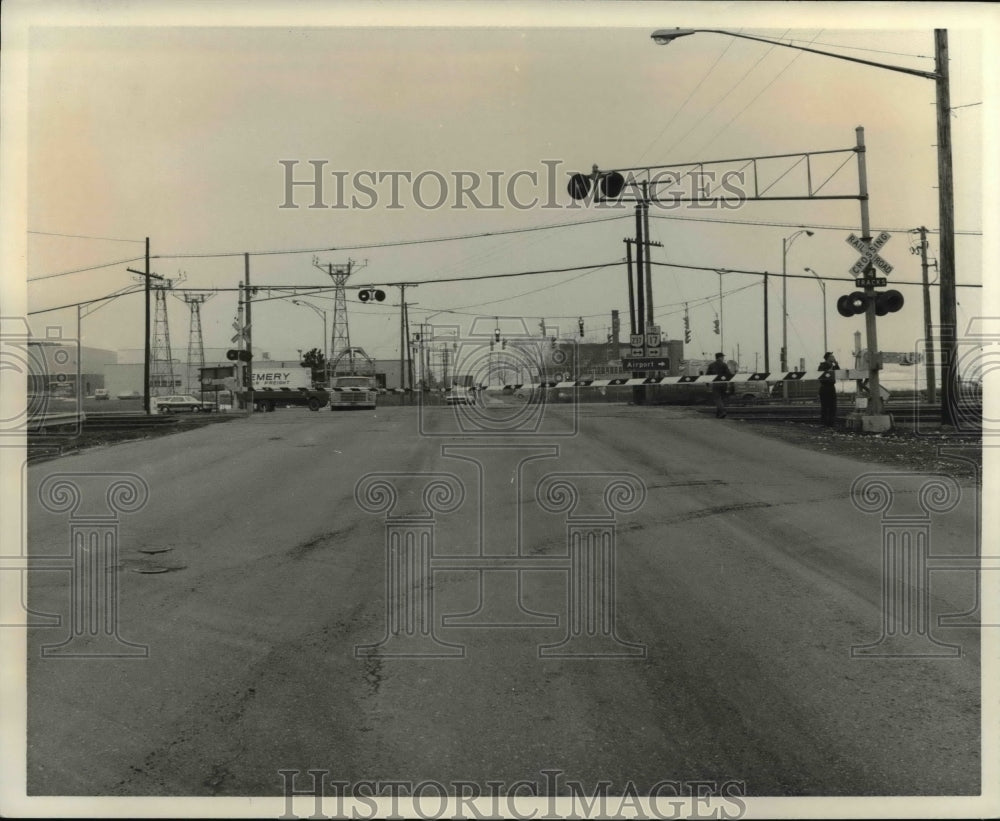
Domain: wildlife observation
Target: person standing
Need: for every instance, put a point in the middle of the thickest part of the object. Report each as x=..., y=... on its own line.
x=720, y=369
x=828, y=390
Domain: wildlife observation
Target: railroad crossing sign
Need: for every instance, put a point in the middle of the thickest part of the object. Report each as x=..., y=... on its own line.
x=869, y=253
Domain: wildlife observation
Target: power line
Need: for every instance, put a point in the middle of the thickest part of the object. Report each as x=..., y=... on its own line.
x=85, y=236
x=770, y=224
x=394, y=244
x=81, y=270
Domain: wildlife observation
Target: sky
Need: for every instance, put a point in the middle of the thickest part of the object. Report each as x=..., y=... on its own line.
x=181, y=126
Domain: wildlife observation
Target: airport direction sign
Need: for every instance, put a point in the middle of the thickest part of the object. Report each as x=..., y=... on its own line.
x=646, y=363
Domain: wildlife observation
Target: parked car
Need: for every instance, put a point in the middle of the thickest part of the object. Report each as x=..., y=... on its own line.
x=132, y=395
x=101, y=393
x=172, y=404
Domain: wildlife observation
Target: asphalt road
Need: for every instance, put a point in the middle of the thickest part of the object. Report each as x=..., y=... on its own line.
x=712, y=613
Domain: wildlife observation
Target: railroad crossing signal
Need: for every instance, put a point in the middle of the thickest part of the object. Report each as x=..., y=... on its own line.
x=242, y=356
x=886, y=302
x=869, y=253
x=609, y=184
x=367, y=294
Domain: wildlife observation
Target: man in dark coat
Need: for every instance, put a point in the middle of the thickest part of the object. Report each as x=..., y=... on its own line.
x=720, y=368
x=828, y=390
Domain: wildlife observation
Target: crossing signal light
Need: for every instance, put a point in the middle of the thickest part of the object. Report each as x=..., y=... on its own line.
x=369, y=294
x=888, y=302
x=609, y=185
x=852, y=304
x=241, y=356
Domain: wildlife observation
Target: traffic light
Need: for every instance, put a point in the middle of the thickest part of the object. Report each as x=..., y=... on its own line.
x=579, y=322
x=715, y=325
x=496, y=335
x=687, y=335
x=367, y=294
x=503, y=344
x=242, y=356
x=853, y=303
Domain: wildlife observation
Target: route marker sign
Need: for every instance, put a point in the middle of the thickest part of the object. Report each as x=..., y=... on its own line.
x=869, y=253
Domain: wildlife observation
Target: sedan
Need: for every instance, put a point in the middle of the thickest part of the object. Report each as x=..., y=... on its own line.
x=172, y=404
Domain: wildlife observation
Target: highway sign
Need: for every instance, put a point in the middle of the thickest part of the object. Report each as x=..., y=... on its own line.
x=637, y=340
x=646, y=363
x=871, y=282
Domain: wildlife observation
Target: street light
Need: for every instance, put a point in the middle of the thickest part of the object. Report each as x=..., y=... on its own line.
x=946, y=189
x=822, y=286
x=322, y=314
x=786, y=243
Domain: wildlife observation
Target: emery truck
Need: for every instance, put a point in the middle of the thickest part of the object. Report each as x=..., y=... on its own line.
x=284, y=387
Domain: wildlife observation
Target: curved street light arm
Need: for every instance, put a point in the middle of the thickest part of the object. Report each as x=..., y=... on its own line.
x=663, y=37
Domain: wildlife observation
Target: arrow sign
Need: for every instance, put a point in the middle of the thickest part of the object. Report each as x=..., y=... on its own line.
x=645, y=363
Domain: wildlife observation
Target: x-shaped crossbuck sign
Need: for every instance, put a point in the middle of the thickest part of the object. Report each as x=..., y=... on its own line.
x=869, y=253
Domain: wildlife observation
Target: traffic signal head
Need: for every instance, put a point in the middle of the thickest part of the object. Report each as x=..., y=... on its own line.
x=364, y=296
x=715, y=325
x=888, y=302
x=579, y=323
x=496, y=335
x=503, y=344
x=852, y=304
x=367, y=294
x=609, y=185
x=687, y=335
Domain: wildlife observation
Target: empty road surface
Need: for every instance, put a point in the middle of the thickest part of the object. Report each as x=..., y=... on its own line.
x=548, y=594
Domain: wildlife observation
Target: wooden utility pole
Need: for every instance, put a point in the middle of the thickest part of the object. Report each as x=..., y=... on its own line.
x=928, y=328
x=146, y=351
x=946, y=215
x=248, y=330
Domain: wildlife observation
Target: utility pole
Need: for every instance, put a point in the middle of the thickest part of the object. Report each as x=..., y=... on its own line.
x=929, y=353
x=409, y=350
x=649, y=264
x=402, y=334
x=248, y=330
x=767, y=344
x=631, y=289
x=946, y=215
x=146, y=355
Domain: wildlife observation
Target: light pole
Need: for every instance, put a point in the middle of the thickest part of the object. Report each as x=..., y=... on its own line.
x=722, y=325
x=946, y=187
x=786, y=243
x=322, y=314
x=822, y=286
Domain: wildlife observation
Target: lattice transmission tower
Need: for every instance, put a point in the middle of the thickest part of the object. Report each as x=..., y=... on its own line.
x=340, y=334
x=161, y=368
x=196, y=347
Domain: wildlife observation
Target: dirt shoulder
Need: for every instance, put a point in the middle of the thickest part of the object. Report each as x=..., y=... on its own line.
x=959, y=456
